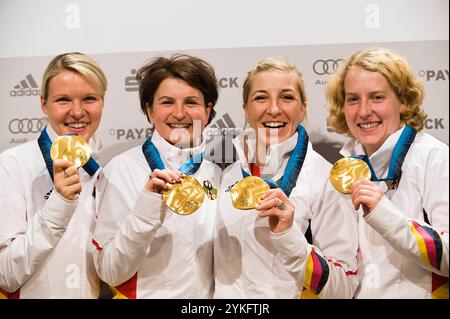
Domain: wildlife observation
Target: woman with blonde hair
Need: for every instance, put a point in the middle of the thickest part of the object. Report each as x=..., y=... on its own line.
x=260, y=248
x=47, y=216
x=375, y=100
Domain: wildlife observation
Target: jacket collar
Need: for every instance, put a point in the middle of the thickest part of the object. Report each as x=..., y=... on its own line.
x=173, y=157
x=277, y=155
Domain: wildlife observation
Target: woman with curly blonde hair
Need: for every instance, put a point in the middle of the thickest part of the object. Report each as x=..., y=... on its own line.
x=375, y=99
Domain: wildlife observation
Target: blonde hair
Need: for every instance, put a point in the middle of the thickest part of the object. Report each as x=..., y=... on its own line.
x=273, y=64
x=397, y=73
x=78, y=63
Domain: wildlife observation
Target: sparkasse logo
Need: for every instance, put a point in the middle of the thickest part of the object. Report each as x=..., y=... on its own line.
x=131, y=83
x=26, y=87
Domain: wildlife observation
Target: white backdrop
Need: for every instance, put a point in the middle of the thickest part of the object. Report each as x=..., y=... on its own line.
x=231, y=35
x=47, y=27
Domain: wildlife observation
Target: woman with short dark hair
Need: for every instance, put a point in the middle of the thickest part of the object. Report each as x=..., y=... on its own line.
x=145, y=248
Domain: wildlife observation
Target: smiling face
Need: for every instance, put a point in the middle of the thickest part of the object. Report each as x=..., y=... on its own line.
x=73, y=105
x=274, y=107
x=372, y=109
x=178, y=112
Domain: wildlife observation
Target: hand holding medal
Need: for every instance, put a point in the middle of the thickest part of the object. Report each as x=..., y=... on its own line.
x=269, y=197
x=72, y=148
x=161, y=180
x=185, y=197
x=347, y=171
x=182, y=194
x=358, y=171
x=69, y=152
x=366, y=194
x=352, y=176
x=247, y=193
x=253, y=192
x=275, y=205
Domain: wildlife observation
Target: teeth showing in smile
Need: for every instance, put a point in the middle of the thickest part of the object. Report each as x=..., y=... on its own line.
x=274, y=124
x=179, y=125
x=367, y=125
x=77, y=125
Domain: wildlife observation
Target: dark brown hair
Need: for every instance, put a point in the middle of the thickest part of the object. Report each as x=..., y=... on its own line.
x=194, y=71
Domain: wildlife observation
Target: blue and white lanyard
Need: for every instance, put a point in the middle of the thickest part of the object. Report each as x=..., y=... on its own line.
x=398, y=156
x=294, y=165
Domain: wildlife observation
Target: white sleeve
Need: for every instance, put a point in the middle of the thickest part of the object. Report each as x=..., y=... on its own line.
x=125, y=228
x=419, y=242
x=327, y=269
x=25, y=244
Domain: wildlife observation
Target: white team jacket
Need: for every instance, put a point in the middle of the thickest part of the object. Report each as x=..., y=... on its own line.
x=252, y=262
x=400, y=255
x=45, y=251
x=137, y=253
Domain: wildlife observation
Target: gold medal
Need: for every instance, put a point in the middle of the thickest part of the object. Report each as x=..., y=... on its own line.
x=246, y=193
x=186, y=197
x=210, y=190
x=347, y=171
x=72, y=148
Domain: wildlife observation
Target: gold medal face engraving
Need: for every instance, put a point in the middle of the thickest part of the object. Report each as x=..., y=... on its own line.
x=72, y=148
x=186, y=197
x=246, y=193
x=347, y=171
x=210, y=190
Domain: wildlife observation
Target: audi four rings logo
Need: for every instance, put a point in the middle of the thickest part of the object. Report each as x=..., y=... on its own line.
x=321, y=67
x=33, y=125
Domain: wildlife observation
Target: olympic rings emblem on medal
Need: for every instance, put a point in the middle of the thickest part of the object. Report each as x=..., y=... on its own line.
x=26, y=125
x=321, y=67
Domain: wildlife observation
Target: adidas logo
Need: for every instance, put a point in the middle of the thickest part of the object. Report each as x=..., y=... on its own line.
x=219, y=145
x=224, y=126
x=26, y=87
x=131, y=84
x=224, y=123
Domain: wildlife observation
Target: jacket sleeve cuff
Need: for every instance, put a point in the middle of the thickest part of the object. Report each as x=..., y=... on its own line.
x=150, y=207
x=290, y=243
x=385, y=218
x=58, y=210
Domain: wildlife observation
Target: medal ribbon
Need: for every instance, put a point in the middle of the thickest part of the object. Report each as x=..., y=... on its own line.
x=294, y=165
x=154, y=159
x=45, y=144
x=398, y=156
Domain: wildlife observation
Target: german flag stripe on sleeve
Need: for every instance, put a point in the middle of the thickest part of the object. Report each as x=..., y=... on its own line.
x=429, y=242
x=317, y=272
